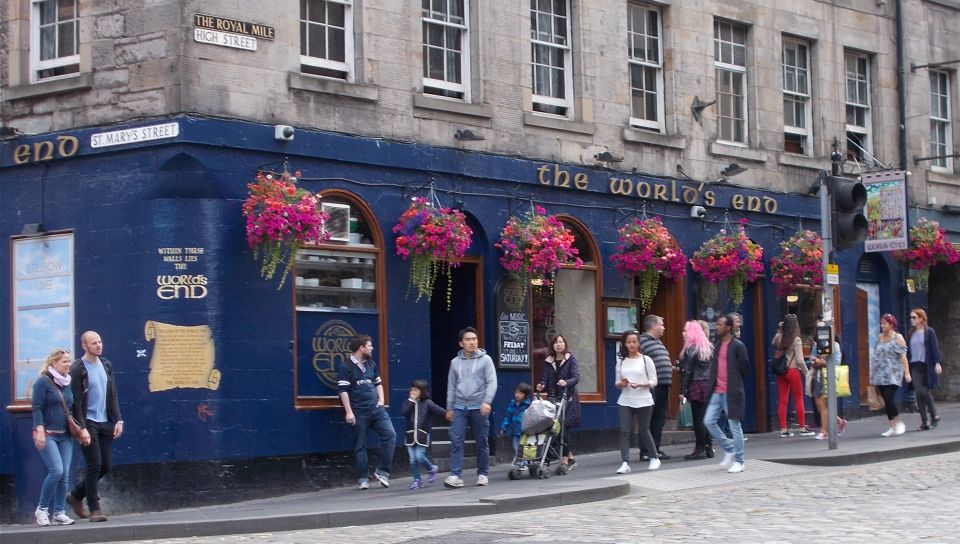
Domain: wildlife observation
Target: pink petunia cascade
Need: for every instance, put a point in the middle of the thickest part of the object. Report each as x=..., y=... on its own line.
x=648, y=250
x=280, y=220
x=928, y=247
x=800, y=263
x=434, y=240
x=536, y=246
x=730, y=257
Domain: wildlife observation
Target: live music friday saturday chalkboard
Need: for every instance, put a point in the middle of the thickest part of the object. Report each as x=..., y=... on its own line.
x=513, y=324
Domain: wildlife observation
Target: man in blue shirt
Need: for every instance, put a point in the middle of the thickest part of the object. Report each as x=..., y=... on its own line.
x=97, y=409
x=361, y=392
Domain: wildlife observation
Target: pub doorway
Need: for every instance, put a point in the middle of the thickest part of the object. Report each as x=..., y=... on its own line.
x=465, y=311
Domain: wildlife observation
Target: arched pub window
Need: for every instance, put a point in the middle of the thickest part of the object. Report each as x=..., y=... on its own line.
x=338, y=293
x=571, y=309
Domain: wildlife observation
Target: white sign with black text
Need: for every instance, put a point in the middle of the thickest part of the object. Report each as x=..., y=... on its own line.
x=225, y=39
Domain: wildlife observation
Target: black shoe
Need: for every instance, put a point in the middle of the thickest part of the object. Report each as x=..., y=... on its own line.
x=644, y=458
x=696, y=454
x=662, y=456
x=935, y=422
x=923, y=427
x=709, y=453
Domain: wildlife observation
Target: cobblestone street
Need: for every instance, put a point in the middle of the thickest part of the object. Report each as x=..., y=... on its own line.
x=896, y=501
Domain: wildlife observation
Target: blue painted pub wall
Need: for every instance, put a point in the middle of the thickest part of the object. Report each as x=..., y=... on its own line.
x=123, y=203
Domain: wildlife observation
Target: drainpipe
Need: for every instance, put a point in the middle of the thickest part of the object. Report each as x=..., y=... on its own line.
x=902, y=113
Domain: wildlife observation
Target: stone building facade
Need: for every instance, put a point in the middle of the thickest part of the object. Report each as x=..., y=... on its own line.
x=154, y=116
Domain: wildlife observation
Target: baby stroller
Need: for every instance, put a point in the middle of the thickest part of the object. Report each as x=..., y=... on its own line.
x=542, y=440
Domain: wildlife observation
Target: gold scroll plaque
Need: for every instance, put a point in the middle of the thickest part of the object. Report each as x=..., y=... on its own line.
x=182, y=357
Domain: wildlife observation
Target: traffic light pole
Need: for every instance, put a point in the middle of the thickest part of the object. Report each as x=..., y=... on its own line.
x=826, y=233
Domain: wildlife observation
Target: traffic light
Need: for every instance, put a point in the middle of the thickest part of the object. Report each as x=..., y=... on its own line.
x=847, y=198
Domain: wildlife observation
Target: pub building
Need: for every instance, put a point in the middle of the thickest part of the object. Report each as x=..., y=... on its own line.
x=135, y=231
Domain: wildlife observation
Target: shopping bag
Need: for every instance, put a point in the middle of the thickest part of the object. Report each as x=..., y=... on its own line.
x=842, y=379
x=874, y=399
x=685, y=417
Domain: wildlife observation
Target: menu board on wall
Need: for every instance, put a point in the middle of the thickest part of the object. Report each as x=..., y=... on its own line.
x=513, y=324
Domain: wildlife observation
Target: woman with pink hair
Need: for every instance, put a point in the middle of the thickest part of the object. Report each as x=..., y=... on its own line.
x=695, y=362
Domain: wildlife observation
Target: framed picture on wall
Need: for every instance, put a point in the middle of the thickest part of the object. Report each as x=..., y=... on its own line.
x=621, y=315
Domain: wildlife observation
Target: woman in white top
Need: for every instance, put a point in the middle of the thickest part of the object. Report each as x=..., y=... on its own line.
x=636, y=377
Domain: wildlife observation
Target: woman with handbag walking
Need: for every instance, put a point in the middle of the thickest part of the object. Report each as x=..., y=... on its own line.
x=923, y=352
x=52, y=404
x=787, y=342
x=819, y=387
x=888, y=369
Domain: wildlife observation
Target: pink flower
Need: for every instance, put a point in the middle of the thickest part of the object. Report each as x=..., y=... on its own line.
x=800, y=262
x=536, y=246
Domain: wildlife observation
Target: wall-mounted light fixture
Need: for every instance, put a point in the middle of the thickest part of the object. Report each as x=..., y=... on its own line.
x=284, y=133
x=791, y=299
x=33, y=229
x=467, y=135
x=698, y=106
x=607, y=156
x=731, y=170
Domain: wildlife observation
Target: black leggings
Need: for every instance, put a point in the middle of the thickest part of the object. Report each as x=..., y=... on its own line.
x=888, y=392
x=704, y=440
x=925, y=404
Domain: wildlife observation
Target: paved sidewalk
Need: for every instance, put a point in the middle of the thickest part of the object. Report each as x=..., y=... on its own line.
x=594, y=480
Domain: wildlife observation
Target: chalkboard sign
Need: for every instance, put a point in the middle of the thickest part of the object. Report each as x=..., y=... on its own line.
x=513, y=324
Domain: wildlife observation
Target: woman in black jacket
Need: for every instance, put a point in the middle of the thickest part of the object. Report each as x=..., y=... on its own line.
x=52, y=400
x=923, y=352
x=695, y=364
x=561, y=376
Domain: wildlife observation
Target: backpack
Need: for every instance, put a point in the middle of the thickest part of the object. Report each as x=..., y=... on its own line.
x=779, y=366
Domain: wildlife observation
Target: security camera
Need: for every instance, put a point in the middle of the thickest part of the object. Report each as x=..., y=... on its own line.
x=283, y=133
x=698, y=212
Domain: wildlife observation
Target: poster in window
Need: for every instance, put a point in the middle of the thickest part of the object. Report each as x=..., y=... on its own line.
x=43, y=305
x=513, y=324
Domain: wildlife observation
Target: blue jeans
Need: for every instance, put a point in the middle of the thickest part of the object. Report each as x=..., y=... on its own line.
x=56, y=454
x=516, y=442
x=418, y=456
x=716, y=407
x=378, y=420
x=480, y=424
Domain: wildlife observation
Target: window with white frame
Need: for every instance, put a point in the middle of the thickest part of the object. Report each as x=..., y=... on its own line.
x=941, y=140
x=796, y=96
x=857, y=77
x=646, y=66
x=326, y=38
x=54, y=39
x=730, y=63
x=446, y=55
x=551, y=57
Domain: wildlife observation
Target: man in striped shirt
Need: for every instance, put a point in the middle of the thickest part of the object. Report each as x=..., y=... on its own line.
x=651, y=346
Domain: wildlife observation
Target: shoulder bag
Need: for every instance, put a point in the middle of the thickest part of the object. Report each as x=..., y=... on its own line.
x=72, y=425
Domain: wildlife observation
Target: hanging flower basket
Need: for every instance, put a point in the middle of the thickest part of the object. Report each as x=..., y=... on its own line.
x=434, y=240
x=730, y=257
x=281, y=219
x=800, y=262
x=928, y=247
x=535, y=246
x=646, y=249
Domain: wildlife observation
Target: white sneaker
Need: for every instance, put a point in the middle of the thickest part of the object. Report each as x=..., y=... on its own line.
x=901, y=428
x=482, y=479
x=363, y=485
x=654, y=464
x=625, y=467
x=735, y=468
x=42, y=516
x=821, y=436
x=60, y=518
x=384, y=479
x=453, y=481
x=888, y=432
x=727, y=460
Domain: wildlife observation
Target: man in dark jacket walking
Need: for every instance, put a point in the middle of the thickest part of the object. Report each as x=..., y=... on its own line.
x=729, y=396
x=97, y=410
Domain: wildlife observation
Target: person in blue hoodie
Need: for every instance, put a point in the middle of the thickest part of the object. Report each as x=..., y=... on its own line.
x=471, y=386
x=513, y=422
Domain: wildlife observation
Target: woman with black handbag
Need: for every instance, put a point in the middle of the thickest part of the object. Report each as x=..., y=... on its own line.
x=52, y=402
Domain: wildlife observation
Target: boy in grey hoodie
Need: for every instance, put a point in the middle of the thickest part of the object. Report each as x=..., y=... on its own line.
x=471, y=386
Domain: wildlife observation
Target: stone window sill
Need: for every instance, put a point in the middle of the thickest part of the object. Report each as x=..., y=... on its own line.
x=801, y=161
x=737, y=152
x=943, y=178
x=80, y=82
x=458, y=107
x=646, y=137
x=556, y=123
x=357, y=91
